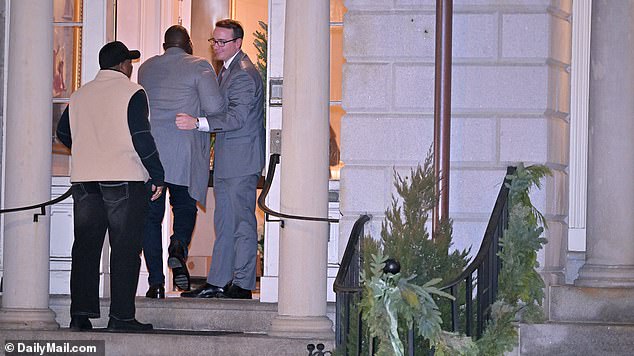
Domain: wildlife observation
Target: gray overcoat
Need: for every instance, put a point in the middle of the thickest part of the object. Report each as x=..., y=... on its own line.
x=177, y=82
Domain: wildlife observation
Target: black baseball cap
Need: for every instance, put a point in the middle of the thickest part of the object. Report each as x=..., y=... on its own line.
x=113, y=53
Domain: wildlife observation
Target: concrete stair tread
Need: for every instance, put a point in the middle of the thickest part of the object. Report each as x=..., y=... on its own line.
x=185, y=313
x=178, y=343
x=182, y=327
x=575, y=338
x=586, y=304
x=182, y=303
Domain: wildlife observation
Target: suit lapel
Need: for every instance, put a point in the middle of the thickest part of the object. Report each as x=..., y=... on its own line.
x=226, y=74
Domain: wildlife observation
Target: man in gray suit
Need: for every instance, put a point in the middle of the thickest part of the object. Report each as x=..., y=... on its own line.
x=177, y=82
x=238, y=163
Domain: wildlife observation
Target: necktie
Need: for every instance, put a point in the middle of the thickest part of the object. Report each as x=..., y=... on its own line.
x=221, y=74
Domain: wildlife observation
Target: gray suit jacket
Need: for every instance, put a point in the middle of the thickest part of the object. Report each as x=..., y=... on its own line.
x=240, y=137
x=178, y=82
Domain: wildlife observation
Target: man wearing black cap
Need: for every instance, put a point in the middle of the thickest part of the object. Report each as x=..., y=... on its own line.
x=115, y=171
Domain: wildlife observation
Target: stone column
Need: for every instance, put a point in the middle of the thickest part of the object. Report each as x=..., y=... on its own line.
x=28, y=167
x=304, y=173
x=610, y=227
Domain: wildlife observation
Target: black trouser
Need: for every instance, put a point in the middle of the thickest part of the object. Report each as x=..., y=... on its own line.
x=184, y=212
x=120, y=208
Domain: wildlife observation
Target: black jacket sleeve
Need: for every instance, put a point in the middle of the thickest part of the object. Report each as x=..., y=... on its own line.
x=142, y=139
x=63, y=129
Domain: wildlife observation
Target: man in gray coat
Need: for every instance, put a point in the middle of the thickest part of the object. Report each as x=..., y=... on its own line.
x=238, y=163
x=177, y=82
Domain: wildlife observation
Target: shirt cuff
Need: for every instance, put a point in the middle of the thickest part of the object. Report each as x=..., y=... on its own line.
x=203, y=124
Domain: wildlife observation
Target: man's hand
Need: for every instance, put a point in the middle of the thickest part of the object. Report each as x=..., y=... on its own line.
x=157, y=192
x=185, y=121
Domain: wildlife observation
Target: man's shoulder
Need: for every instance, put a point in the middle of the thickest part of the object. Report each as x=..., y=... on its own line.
x=244, y=61
x=185, y=66
x=149, y=65
x=197, y=61
x=247, y=67
x=150, y=61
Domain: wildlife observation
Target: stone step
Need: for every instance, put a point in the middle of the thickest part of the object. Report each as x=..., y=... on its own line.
x=575, y=339
x=185, y=314
x=596, y=305
x=164, y=343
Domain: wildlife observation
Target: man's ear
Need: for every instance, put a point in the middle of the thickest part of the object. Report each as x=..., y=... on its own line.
x=188, y=47
x=239, y=43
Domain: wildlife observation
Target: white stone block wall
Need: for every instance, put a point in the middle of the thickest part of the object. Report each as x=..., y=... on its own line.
x=510, y=104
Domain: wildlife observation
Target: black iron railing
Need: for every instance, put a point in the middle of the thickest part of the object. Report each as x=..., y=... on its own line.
x=478, y=282
x=481, y=274
x=347, y=286
x=274, y=159
x=41, y=206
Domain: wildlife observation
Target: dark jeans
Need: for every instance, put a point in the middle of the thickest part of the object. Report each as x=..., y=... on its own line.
x=119, y=208
x=184, y=213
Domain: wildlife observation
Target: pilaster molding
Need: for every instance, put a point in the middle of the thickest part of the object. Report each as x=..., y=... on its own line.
x=610, y=197
x=579, y=99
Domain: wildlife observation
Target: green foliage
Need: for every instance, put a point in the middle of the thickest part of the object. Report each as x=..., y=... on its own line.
x=518, y=279
x=390, y=302
x=404, y=234
x=521, y=288
x=522, y=182
x=260, y=43
x=500, y=335
x=453, y=344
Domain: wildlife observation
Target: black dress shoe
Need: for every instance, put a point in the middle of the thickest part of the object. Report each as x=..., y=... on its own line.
x=176, y=261
x=235, y=292
x=80, y=323
x=128, y=325
x=205, y=291
x=156, y=291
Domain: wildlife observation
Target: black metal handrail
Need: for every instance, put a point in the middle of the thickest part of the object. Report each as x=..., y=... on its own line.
x=352, y=251
x=481, y=276
x=273, y=162
x=347, y=285
x=486, y=266
x=41, y=206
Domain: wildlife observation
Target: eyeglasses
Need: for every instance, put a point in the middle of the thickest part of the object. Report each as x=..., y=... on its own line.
x=221, y=43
